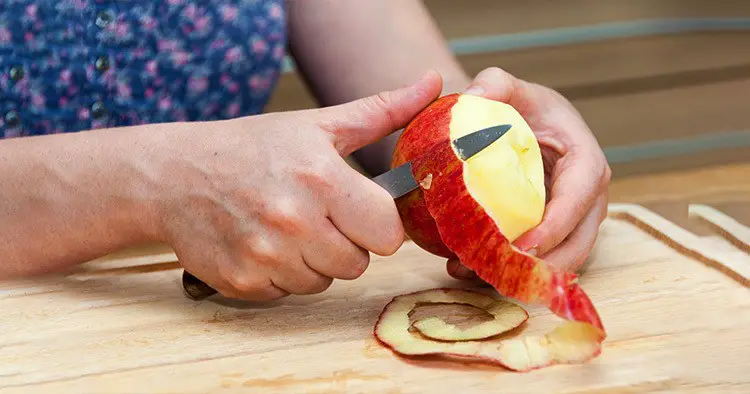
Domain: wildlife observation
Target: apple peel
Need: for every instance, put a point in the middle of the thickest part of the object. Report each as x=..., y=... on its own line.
x=460, y=215
x=572, y=342
x=506, y=315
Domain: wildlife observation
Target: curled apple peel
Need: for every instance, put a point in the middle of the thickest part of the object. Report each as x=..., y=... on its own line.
x=506, y=315
x=568, y=343
x=473, y=210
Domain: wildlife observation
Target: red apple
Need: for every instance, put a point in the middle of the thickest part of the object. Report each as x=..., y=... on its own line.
x=507, y=177
x=474, y=209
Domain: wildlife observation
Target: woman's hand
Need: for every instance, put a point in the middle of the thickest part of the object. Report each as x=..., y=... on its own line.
x=265, y=206
x=576, y=171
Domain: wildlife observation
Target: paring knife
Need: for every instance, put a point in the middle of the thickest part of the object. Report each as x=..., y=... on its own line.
x=398, y=182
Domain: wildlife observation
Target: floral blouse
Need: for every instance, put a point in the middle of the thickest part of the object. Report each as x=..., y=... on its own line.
x=74, y=65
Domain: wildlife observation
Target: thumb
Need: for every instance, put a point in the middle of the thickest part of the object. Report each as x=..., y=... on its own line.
x=359, y=123
x=493, y=83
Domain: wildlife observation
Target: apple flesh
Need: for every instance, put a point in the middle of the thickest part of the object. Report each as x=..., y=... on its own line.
x=506, y=315
x=474, y=209
x=506, y=179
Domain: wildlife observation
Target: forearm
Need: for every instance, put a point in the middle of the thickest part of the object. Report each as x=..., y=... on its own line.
x=351, y=49
x=69, y=198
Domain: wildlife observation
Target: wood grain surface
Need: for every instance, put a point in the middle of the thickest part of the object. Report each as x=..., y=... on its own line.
x=121, y=325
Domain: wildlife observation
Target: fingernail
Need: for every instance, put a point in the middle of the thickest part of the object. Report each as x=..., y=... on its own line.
x=475, y=90
x=529, y=249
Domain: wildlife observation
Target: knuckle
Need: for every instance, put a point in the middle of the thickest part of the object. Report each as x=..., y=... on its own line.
x=250, y=246
x=379, y=102
x=494, y=70
x=317, y=175
x=494, y=75
x=284, y=214
x=377, y=107
x=607, y=176
x=243, y=283
x=263, y=253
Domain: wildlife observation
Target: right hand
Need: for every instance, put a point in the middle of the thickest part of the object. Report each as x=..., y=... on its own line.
x=265, y=206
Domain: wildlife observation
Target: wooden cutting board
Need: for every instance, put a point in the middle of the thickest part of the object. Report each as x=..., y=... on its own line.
x=676, y=307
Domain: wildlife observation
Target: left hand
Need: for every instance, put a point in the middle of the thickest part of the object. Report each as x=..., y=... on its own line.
x=576, y=172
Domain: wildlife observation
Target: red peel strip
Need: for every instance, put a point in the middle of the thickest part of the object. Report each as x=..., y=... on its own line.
x=513, y=273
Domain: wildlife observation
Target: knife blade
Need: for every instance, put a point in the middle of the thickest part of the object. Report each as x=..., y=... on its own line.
x=398, y=182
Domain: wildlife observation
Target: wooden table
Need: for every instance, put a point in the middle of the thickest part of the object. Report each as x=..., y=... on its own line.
x=677, y=315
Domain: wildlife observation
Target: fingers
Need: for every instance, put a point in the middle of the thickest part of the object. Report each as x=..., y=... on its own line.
x=577, y=181
x=574, y=251
x=254, y=290
x=568, y=256
x=334, y=255
x=366, y=214
x=268, y=266
x=459, y=271
x=306, y=264
x=362, y=122
x=493, y=83
x=298, y=278
x=203, y=261
x=276, y=259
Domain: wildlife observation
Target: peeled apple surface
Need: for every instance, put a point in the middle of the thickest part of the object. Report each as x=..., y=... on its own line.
x=506, y=179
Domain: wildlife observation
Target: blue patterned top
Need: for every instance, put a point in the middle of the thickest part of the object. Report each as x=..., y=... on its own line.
x=73, y=65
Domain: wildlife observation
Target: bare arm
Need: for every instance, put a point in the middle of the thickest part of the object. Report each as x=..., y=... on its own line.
x=249, y=227
x=351, y=49
x=69, y=198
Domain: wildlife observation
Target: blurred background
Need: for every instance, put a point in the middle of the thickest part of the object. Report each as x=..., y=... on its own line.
x=664, y=84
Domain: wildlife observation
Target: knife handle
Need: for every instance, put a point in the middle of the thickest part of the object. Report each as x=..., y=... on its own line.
x=195, y=288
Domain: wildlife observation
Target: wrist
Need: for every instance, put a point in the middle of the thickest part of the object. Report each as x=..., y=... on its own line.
x=73, y=197
x=143, y=178
x=113, y=176
x=113, y=182
x=171, y=164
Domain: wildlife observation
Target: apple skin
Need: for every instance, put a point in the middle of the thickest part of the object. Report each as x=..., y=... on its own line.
x=570, y=343
x=419, y=226
x=444, y=219
x=427, y=129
